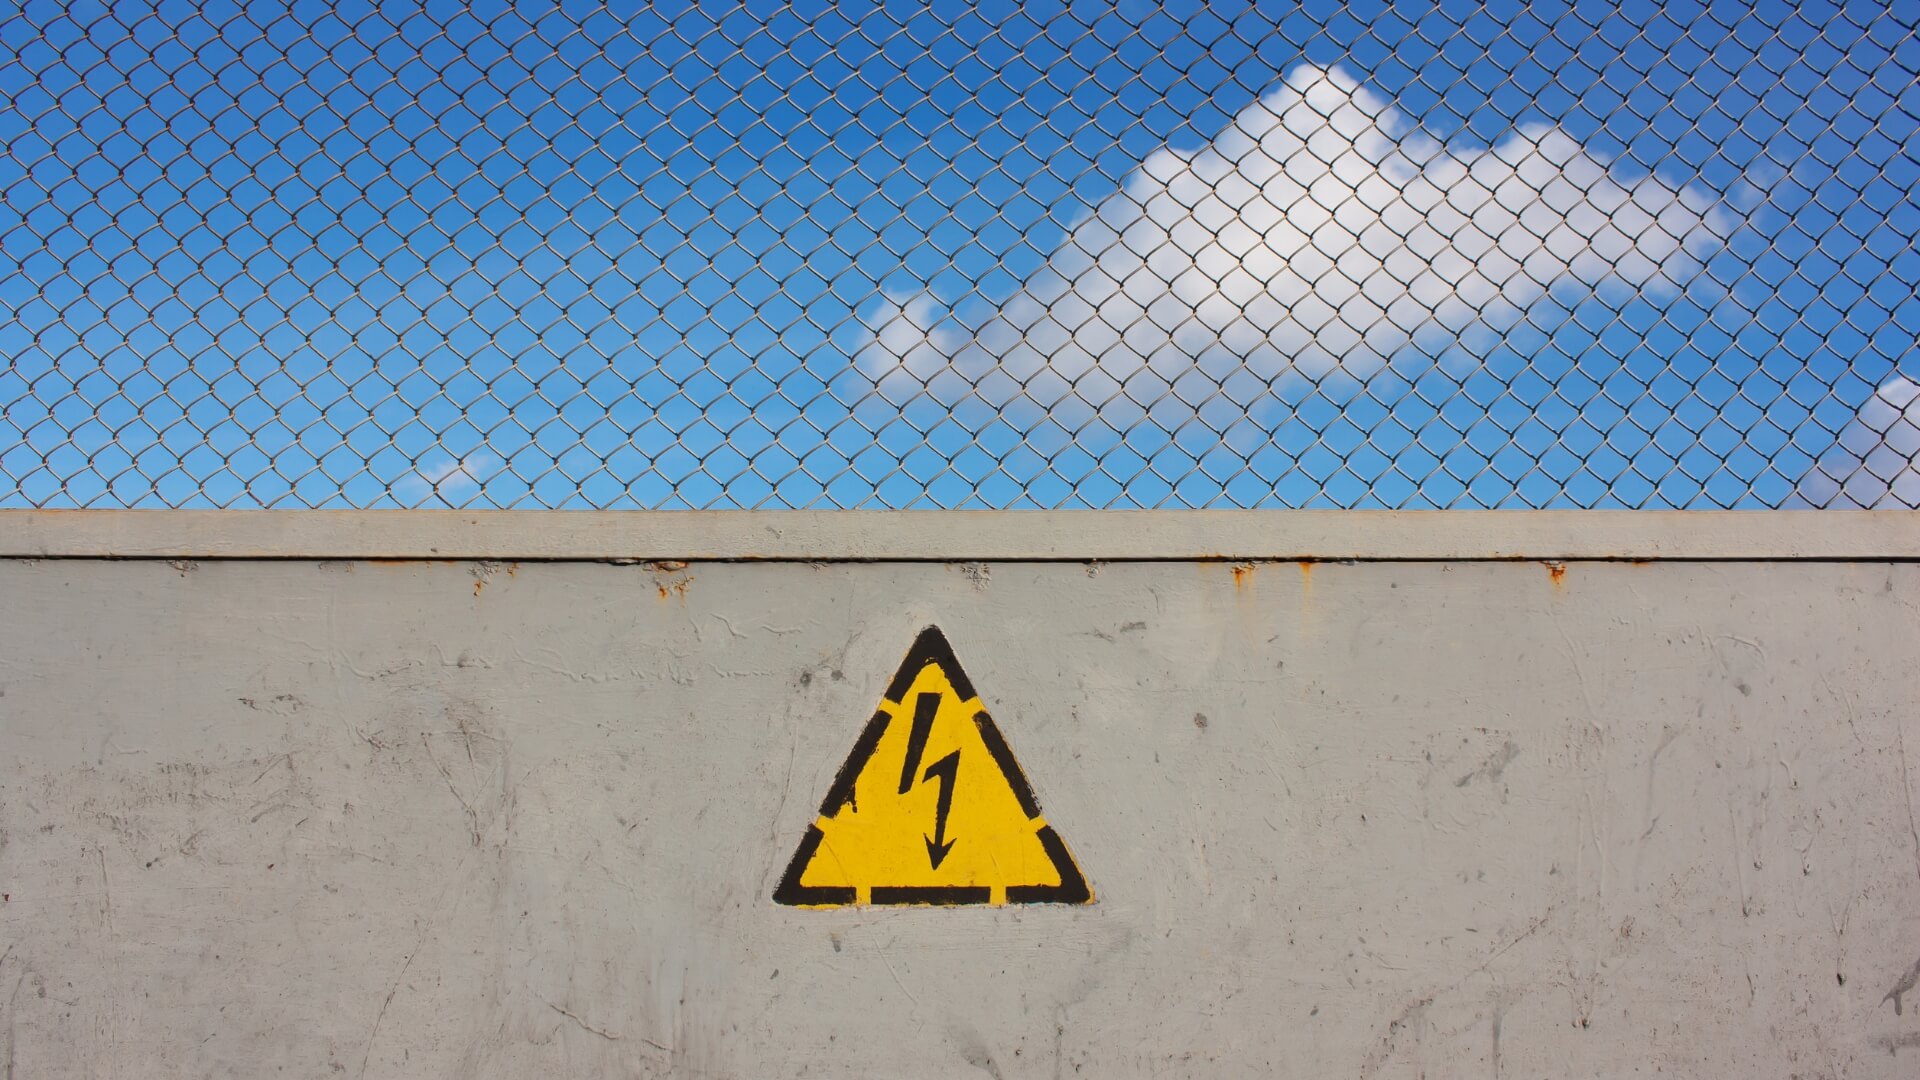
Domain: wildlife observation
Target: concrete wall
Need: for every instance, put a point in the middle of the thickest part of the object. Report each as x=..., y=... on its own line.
x=1428, y=817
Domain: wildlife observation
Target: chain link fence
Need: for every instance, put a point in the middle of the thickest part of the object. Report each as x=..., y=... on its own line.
x=966, y=255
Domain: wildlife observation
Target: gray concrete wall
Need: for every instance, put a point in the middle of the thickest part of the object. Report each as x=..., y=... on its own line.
x=1428, y=818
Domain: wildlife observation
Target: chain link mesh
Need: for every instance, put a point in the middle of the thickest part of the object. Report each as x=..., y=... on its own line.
x=979, y=255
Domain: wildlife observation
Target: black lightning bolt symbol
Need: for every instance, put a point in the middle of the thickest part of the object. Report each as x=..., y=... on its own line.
x=944, y=769
x=925, y=707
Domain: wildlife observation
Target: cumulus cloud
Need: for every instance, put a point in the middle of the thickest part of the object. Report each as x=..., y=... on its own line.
x=1321, y=229
x=1875, y=463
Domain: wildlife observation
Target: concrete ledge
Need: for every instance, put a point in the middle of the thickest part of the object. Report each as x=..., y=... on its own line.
x=962, y=535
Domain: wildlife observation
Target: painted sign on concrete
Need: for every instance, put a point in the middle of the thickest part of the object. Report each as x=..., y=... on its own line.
x=931, y=807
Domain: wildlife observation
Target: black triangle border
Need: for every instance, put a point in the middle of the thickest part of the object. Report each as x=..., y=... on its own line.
x=930, y=647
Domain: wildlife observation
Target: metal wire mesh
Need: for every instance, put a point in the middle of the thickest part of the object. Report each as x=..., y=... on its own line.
x=864, y=255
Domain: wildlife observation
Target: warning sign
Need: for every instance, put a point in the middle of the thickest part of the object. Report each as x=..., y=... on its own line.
x=931, y=808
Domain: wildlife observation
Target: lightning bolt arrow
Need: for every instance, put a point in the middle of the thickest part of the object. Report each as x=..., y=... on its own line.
x=944, y=769
x=925, y=708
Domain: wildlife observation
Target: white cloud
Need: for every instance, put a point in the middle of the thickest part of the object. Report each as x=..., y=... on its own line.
x=1875, y=464
x=1321, y=229
x=448, y=481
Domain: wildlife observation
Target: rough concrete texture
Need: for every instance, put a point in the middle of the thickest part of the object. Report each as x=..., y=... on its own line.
x=961, y=535
x=1394, y=820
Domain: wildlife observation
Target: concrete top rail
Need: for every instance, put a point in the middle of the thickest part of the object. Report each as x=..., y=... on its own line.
x=964, y=535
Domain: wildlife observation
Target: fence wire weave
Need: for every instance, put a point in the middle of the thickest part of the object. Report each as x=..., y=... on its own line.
x=967, y=255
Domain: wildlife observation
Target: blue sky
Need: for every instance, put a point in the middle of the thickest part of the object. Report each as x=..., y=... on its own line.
x=340, y=254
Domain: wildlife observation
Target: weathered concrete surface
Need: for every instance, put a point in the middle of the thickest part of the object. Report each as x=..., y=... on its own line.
x=1395, y=820
x=961, y=535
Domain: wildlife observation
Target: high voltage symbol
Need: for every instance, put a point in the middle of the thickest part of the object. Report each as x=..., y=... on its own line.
x=964, y=828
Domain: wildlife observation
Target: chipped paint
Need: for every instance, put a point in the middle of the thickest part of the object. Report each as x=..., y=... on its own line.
x=670, y=578
x=485, y=570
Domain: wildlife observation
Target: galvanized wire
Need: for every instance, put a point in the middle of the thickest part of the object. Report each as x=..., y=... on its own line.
x=833, y=255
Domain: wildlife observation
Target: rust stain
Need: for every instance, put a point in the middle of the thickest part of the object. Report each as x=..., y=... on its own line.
x=1557, y=571
x=479, y=584
x=669, y=580
x=1242, y=573
x=1306, y=571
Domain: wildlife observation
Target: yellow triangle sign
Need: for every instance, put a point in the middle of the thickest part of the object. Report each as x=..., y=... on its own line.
x=931, y=808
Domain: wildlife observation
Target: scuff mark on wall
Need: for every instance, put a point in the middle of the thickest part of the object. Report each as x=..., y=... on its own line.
x=1893, y=1044
x=1494, y=766
x=1903, y=987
